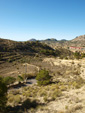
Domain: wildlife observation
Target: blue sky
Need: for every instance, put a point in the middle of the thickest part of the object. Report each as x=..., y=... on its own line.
x=22, y=20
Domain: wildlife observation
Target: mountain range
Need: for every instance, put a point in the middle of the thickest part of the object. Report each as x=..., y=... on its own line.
x=34, y=45
x=79, y=41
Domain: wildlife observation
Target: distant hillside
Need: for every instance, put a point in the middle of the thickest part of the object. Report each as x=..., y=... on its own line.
x=13, y=50
x=29, y=47
x=33, y=39
x=54, y=43
x=34, y=46
x=52, y=40
x=79, y=38
x=78, y=42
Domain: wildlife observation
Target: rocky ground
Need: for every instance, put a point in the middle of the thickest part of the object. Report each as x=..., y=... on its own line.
x=65, y=95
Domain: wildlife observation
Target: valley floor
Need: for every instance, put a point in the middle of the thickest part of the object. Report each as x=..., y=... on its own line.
x=65, y=95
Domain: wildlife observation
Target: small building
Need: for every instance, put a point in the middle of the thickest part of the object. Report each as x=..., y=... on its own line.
x=73, y=48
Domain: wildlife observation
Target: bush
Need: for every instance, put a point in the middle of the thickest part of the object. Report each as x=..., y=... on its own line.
x=83, y=55
x=20, y=79
x=3, y=92
x=9, y=80
x=28, y=75
x=77, y=55
x=43, y=77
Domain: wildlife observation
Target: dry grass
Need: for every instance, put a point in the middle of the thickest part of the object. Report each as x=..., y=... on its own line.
x=57, y=96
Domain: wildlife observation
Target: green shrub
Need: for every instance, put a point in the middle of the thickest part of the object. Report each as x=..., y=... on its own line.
x=43, y=77
x=77, y=55
x=56, y=93
x=14, y=99
x=78, y=83
x=45, y=98
x=9, y=80
x=20, y=79
x=28, y=75
x=83, y=55
x=3, y=92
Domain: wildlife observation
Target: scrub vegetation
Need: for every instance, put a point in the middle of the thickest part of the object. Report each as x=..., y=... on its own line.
x=36, y=78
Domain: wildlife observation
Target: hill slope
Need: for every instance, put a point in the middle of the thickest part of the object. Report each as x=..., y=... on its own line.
x=77, y=42
x=79, y=38
x=13, y=46
x=12, y=50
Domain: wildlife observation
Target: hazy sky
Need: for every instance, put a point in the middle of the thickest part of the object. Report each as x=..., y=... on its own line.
x=22, y=20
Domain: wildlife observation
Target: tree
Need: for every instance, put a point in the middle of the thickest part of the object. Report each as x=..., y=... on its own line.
x=3, y=92
x=43, y=77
